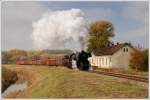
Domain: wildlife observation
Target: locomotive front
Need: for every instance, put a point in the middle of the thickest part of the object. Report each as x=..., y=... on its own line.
x=79, y=60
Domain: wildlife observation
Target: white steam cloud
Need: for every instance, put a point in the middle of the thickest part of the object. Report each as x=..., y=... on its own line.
x=65, y=29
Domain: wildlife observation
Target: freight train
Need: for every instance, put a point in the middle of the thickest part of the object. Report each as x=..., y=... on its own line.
x=79, y=58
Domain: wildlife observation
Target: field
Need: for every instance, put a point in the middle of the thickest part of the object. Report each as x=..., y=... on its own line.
x=125, y=71
x=60, y=82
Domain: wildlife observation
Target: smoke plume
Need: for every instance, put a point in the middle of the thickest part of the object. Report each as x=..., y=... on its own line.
x=65, y=29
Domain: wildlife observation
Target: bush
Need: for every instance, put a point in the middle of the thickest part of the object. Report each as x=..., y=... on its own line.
x=139, y=60
x=145, y=64
x=8, y=78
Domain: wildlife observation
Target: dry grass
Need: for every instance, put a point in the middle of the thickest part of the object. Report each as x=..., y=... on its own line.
x=60, y=82
x=125, y=71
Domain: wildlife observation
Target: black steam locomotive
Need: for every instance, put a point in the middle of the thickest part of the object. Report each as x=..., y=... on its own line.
x=81, y=59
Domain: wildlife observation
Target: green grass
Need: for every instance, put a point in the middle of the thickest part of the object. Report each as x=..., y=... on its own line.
x=60, y=82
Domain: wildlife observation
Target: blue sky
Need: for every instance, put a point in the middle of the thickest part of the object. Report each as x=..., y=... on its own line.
x=130, y=19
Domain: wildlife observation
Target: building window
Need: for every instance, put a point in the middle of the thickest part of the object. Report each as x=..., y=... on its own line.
x=103, y=61
x=126, y=49
x=100, y=61
x=97, y=61
x=106, y=61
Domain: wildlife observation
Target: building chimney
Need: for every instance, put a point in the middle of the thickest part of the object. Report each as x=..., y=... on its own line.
x=117, y=43
x=112, y=43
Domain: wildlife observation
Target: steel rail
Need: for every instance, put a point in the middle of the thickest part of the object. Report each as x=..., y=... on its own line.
x=120, y=75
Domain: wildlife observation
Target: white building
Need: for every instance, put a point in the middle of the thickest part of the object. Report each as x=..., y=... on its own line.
x=112, y=56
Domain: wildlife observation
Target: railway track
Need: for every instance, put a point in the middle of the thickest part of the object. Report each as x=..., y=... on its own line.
x=120, y=75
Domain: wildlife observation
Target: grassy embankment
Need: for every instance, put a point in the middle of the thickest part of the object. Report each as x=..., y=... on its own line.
x=60, y=82
x=9, y=77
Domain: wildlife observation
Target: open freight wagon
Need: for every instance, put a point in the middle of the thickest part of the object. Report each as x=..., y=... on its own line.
x=55, y=61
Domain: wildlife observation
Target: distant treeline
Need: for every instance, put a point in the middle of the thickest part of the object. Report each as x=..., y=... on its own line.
x=12, y=55
x=58, y=51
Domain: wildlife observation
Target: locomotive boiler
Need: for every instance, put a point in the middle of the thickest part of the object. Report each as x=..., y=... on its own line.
x=81, y=60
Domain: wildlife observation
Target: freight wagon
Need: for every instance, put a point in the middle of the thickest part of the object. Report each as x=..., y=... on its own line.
x=56, y=61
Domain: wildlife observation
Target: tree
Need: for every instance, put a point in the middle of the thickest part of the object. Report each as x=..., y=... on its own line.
x=16, y=53
x=145, y=55
x=5, y=57
x=45, y=56
x=33, y=54
x=137, y=60
x=100, y=33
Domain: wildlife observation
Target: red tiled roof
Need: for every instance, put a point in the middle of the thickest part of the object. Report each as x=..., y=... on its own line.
x=108, y=50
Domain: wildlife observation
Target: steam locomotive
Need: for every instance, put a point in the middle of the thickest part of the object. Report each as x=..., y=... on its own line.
x=78, y=60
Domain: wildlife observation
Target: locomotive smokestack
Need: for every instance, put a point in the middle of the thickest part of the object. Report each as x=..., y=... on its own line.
x=82, y=42
x=60, y=30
